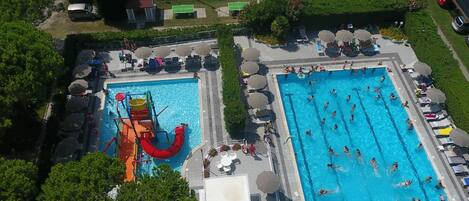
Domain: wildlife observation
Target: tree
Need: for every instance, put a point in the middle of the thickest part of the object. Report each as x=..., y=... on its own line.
x=29, y=10
x=260, y=16
x=166, y=184
x=28, y=64
x=280, y=26
x=17, y=180
x=88, y=179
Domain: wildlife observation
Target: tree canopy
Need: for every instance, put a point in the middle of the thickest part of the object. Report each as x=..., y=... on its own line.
x=91, y=178
x=28, y=64
x=166, y=184
x=280, y=26
x=17, y=180
x=28, y=10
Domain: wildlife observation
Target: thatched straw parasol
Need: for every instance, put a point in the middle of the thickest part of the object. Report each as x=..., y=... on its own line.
x=78, y=87
x=257, y=100
x=362, y=35
x=183, y=50
x=202, y=49
x=162, y=51
x=143, y=52
x=82, y=70
x=326, y=36
x=251, y=54
x=344, y=36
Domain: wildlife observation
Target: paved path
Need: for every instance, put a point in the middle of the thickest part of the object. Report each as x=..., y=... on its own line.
x=455, y=55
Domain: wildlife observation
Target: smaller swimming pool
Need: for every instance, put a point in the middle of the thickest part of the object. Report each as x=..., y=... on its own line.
x=182, y=102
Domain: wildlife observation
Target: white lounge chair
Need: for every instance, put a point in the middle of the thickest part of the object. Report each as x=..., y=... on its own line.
x=226, y=169
x=233, y=156
x=219, y=166
x=446, y=141
x=456, y=160
x=436, y=116
x=444, y=123
x=424, y=100
x=460, y=169
x=432, y=108
x=450, y=153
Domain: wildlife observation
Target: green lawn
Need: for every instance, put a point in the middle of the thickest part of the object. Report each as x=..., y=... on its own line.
x=443, y=18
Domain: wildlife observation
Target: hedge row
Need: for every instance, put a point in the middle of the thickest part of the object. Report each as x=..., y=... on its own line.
x=430, y=49
x=340, y=7
x=149, y=37
x=235, y=109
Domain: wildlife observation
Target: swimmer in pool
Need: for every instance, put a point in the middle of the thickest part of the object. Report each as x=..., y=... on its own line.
x=334, y=92
x=405, y=183
x=323, y=192
x=336, y=126
x=419, y=146
x=373, y=163
x=308, y=132
x=310, y=98
x=323, y=121
x=392, y=96
x=358, y=153
x=351, y=117
x=348, y=98
x=346, y=150
x=353, y=107
x=326, y=104
x=377, y=97
x=394, y=167
x=332, y=166
x=334, y=113
x=382, y=79
x=331, y=151
x=428, y=179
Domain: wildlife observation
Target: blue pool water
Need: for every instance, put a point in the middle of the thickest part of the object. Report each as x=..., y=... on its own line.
x=379, y=130
x=182, y=98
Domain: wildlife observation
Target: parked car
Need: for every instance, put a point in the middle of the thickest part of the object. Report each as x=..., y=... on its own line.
x=82, y=11
x=460, y=24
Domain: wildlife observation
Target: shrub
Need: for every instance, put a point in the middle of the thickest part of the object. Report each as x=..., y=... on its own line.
x=393, y=33
x=280, y=26
x=212, y=152
x=236, y=147
x=28, y=10
x=235, y=109
x=224, y=148
x=429, y=48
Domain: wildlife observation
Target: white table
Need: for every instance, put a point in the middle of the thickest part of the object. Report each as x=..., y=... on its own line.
x=226, y=161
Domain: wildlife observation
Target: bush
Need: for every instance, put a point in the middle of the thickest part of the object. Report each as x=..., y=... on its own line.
x=393, y=33
x=235, y=109
x=18, y=180
x=280, y=26
x=429, y=48
x=28, y=10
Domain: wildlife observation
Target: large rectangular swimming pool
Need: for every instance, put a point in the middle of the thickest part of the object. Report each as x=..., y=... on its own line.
x=379, y=130
x=182, y=102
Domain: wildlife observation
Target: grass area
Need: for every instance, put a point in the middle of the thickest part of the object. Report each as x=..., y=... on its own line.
x=210, y=9
x=443, y=18
x=60, y=25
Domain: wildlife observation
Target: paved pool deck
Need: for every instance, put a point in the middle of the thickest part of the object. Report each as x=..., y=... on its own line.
x=279, y=157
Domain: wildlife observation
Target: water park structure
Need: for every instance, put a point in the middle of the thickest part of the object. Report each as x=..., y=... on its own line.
x=140, y=127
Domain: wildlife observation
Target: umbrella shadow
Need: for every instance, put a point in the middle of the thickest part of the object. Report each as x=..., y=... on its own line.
x=263, y=70
x=193, y=66
x=211, y=63
x=172, y=68
x=290, y=47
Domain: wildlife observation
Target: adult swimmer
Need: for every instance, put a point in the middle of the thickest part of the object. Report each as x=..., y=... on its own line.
x=405, y=183
x=334, y=167
x=323, y=191
x=394, y=167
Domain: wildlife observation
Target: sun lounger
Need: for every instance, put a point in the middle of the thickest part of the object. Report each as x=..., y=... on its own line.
x=450, y=153
x=444, y=132
x=441, y=124
x=424, y=101
x=460, y=169
x=436, y=116
x=465, y=181
x=432, y=108
x=456, y=160
x=319, y=48
x=446, y=141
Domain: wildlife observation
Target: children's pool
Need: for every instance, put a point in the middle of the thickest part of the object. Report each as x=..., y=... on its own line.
x=379, y=129
x=181, y=97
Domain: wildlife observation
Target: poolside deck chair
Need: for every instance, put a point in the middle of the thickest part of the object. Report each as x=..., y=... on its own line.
x=432, y=108
x=319, y=48
x=450, y=153
x=445, y=141
x=444, y=123
x=436, y=116
x=465, y=181
x=444, y=132
x=424, y=101
x=460, y=169
x=456, y=160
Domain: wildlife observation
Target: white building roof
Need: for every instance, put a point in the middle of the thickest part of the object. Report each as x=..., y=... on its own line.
x=229, y=188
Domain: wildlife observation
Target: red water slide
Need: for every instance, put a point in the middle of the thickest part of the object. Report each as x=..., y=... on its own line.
x=151, y=150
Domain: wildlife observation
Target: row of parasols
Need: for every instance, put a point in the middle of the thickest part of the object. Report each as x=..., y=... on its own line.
x=250, y=68
x=344, y=36
x=202, y=49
